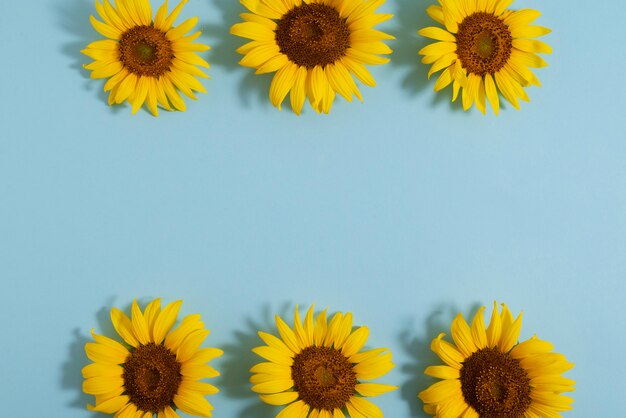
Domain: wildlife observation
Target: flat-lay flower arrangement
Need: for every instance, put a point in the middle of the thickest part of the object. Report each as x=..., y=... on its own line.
x=316, y=50
x=318, y=368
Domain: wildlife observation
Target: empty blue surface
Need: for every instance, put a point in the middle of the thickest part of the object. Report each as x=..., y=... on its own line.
x=403, y=210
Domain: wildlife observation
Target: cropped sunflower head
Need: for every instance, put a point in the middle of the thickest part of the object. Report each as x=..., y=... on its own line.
x=145, y=60
x=315, y=47
x=484, y=48
x=489, y=375
x=154, y=370
x=317, y=369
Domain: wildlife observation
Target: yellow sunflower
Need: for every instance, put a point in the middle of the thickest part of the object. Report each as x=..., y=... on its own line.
x=484, y=48
x=146, y=61
x=489, y=375
x=317, y=369
x=154, y=371
x=314, y=46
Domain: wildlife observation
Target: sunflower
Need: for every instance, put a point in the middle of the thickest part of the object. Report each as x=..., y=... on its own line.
x=484, y=45
x=154, y=371
x=314, y=46
x=145, y=60
x=490, y=375
x=317, y=369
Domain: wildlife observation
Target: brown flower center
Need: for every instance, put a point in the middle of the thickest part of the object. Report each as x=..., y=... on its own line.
x=151, y=377
x=495, y=385
x=323, y=377
x=484, y=43
x=145, y=50
x=313, y=34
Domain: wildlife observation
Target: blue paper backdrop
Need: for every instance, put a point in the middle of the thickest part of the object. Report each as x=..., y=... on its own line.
x=403, y=210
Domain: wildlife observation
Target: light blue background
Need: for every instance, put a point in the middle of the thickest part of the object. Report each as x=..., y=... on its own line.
x=403, y=210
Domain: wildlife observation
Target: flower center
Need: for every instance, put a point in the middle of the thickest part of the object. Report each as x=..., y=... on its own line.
x=495, y=385
x=313, y=34
x=151, y=377
x=145, y=50
x=323, y=377
x=484, y=43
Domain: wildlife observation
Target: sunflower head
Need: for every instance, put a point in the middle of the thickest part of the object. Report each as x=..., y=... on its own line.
x=154, y=370
x=484, y=48
x=318, y=368
x=488, y=374
x=315, y=47
x=146, y=60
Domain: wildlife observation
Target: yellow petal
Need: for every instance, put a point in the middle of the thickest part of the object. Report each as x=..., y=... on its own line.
x=438, y=34
x=197, y=371
x=321, y=327
x=190, y=323
x=442, y=391
x=343, y=330
x=253, y=30
x=529, y=31
x=111, y=406
x=140, y=328
x=124, y=90
x=273, y=386
x=494, y=331
x=287, y=334
x=359, y=71
x=436, y=13
x=102, y=370
x=522, y=17
x=191, y=344
x=366, y=407
x=295, y=410
x=510, y=337
x=105, y=30
x=442, y=372
x=373, y=389
x=103, y=384
x=297, y=96
x=479, y=332
x=492, y=95
x=444, y=80
x=501, y=6
x=180, y=30
x=447, y=352
x=355, y=341
x=279, y=398
x=198, y=387
x=144, y=11
x=165, y=321
x=192, y=403
x=274, y=355
x=204, y=355
x=281, y=85
x=481, y=104
x=374, y=368
x=171, y=18
x=138, y=100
